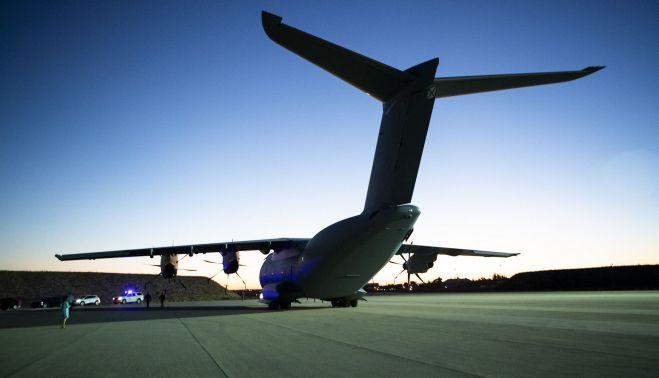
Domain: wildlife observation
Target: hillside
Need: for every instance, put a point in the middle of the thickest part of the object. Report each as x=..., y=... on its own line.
x=631, y=277
x=36, y=285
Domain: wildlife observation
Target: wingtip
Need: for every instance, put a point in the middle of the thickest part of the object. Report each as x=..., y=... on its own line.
x=271, y=23
x=59, y=257
x=268, y=19
x=592, y=69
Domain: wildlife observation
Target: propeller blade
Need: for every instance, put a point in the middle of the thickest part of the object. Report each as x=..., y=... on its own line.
x=393, y=262
x=408, y=278
x=419, y=277
x=181, y=282
x=188, y=270
x=244, y=284
x=403, y=256
x=213, y=276
x=146, y=285
x=158, y=265
x=242, y=295
x=398, y=275
x=215, y=262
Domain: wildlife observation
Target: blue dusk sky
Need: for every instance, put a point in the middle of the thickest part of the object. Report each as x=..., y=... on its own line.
x=129, y=124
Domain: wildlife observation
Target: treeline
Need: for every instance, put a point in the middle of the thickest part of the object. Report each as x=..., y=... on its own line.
x=635, y=277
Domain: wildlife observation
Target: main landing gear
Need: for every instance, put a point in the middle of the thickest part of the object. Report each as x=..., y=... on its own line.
x=337, y=302
x=279, y=305
x=341, y=302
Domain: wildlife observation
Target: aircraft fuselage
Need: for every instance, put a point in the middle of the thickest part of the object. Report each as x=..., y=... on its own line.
x=339, y=260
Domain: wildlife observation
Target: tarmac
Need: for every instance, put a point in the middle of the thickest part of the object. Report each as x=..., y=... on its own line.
x=593, y=334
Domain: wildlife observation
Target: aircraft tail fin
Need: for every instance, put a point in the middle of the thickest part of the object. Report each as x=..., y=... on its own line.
x=408, y=98
x=407, y=107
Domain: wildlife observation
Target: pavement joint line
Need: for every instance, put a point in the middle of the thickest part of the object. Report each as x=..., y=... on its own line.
x=201, y=345
x=571, y=349
x=485, y=319
x=565, y=309
x=369, y=349
x=67, y=345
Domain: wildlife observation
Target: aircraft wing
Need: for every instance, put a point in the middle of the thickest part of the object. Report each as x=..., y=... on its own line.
x=265, y=246
x=427, y=250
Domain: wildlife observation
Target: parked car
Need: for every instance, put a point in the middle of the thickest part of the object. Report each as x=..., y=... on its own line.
x=10, y=303
x=48, y=302
x=53, y=301
x=129, y=297
x=88, y=299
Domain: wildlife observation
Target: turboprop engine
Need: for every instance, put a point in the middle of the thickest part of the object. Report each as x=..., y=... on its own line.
x=230, y=264
x=168, y=265
x=420, y=262
x=230, y=261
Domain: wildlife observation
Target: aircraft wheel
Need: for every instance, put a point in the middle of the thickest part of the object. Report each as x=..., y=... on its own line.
x=353, y=303
x=273, y=306
x=286, y=306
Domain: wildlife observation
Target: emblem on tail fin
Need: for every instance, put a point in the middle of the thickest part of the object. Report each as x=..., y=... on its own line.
x=432, y=91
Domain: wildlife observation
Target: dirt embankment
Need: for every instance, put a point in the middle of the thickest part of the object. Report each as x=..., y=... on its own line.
x=31, y=286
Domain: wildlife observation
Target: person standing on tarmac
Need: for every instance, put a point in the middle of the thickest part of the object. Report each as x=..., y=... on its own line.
x=162, y=299
x=147, y=299
x=66, y=306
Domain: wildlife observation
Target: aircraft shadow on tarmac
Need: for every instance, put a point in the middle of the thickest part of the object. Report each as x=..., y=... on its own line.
x=46, y=317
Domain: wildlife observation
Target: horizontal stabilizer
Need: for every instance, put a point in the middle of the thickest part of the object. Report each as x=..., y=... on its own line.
x=422, y=249
x=377, y=79
x=461, y=85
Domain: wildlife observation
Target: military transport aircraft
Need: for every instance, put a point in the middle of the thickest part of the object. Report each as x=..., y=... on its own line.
x=339, y=260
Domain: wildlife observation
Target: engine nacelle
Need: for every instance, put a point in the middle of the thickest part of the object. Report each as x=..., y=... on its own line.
x=230, y=261
x=169, y=265
x=421, y=262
